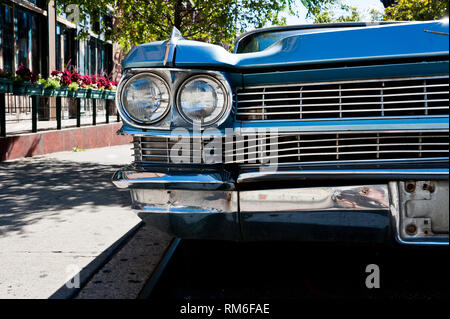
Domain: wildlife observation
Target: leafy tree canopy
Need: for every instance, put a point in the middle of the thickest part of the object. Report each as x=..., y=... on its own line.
x=325, y=11
x=328, y=11
x=420, y=10
x=335, y=12
x=140, y=21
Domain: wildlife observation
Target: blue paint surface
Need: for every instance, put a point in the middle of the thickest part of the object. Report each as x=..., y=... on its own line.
x=351, y=44
x=369, y=43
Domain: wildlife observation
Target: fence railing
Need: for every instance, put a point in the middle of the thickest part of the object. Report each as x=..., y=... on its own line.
x=36, y=92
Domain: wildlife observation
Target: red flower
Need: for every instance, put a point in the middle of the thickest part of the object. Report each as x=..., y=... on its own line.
x=65, y=80
x=86, y=80
x=102, y=82
x=25, y=74
x=76, y=77
x=94, y=79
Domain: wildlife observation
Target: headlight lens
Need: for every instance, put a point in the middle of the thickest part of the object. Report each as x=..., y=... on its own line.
x=145, y=98
x=202, y=99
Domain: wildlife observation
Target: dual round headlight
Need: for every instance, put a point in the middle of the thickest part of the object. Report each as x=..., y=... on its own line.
x=146, y=98
x=202, y=99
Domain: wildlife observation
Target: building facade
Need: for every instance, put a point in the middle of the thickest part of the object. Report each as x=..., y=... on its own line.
x=33, y=34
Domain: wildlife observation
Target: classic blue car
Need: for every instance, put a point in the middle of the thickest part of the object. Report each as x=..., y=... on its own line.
x=328, y=132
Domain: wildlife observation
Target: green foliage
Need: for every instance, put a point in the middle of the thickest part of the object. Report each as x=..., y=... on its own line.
x=334, y=11
x=328, y=11
x=50, y=82
x=73, y=86
x=141, y=21
x=417, y=10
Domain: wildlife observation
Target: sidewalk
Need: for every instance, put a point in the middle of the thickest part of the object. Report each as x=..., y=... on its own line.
x=58, y=212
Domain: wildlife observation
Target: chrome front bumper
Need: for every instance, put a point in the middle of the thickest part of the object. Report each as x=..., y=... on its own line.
x=206, y=204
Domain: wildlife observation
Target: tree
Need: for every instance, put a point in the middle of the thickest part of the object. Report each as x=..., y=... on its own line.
x=335, y=12
x=327, y=11
x=140, y=21
x=421, y=10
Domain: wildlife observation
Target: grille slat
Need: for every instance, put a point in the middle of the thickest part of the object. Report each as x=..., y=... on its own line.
x=345, y=111
x=302, y=148
x=344, y=97
x=243, y=93
x=399, y=97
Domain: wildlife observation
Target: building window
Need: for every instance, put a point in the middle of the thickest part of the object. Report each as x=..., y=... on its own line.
x=65, y=47
x=7, y=38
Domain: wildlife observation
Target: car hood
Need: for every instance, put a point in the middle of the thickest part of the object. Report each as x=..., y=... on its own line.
x=405, y=40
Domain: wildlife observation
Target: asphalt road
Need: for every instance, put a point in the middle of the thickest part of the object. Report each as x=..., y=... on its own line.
x=211, y=271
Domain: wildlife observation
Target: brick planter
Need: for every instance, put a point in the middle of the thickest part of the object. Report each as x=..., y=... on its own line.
x=27, y=145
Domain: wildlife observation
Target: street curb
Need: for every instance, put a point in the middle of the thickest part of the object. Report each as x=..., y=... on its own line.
x=157, y=272
x=89, y=271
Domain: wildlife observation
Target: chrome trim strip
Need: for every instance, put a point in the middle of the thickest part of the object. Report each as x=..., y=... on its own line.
x=342, y=97
x=184, y=201
x=358, y=132
x=357, y=162
x=129, y=178
x=264, y=158
x=345, y=111
x=169, y=54
x=347, y=90
x=350, y=118
x=349, y=124
x=367, y=197
x=274, y=175
x=349, y=81
x=436, y=32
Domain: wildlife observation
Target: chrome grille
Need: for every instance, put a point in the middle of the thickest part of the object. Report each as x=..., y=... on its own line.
x=299, y=148
x=396, y=97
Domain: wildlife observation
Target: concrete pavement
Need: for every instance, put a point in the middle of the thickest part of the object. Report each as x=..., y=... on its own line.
x=58, y=212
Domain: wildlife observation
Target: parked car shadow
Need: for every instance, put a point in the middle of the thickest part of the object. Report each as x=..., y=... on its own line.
x=29, y=188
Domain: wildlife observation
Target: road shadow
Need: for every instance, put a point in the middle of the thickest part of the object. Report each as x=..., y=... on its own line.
x=30, y=189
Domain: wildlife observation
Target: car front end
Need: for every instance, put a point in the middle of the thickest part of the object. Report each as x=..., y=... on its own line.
x=314, y=133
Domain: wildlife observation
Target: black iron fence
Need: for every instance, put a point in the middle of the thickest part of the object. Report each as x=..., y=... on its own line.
x=22, y=103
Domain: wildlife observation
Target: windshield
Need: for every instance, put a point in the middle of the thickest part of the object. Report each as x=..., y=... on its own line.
x=261, y=41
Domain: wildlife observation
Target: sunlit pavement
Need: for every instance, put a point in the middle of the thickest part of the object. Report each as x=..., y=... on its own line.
x=58, y=213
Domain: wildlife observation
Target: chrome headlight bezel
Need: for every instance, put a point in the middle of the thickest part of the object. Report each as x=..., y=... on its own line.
x=123, y=106
x=228, y=99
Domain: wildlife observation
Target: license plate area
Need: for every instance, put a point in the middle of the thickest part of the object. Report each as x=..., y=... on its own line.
x=422, y=214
